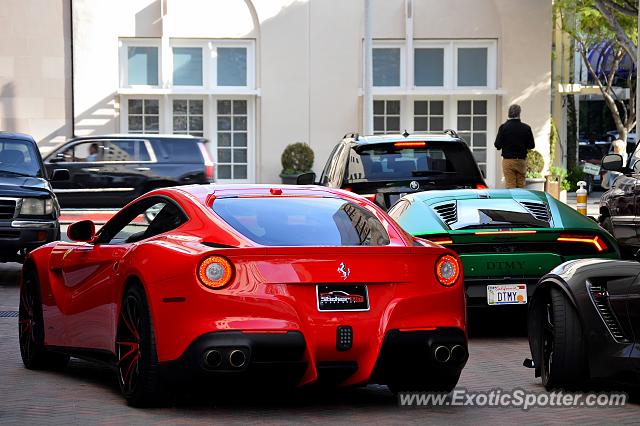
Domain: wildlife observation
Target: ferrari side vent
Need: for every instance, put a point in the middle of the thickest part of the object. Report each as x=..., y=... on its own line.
x=600, y=298
x=448, y=212
x=539, y=210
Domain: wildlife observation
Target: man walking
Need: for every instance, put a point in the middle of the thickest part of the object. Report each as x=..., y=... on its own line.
x=514, y=139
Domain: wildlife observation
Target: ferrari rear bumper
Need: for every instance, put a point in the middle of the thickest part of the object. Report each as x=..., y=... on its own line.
x=283, y=359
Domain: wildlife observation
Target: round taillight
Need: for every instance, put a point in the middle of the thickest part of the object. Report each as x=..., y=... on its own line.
x=447, y=270
x=215, y=272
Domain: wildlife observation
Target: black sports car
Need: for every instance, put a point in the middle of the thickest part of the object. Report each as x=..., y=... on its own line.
x=584, y=324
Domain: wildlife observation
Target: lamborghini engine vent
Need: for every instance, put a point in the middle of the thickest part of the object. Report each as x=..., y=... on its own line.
x=600, y=299
x=448, y=212
x=539, y=210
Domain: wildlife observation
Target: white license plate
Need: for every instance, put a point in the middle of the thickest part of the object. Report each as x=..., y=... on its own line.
x=507, y=294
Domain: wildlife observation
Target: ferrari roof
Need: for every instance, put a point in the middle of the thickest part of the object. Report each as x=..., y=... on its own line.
x=203, y=192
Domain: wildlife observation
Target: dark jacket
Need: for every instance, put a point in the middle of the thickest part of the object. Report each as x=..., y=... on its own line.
x=514, y=139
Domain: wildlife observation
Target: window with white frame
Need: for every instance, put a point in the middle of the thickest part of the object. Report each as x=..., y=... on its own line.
x=188, y=117
x=232, y=139
x=428, y=116
x=428, y=66
x=232, y=66
x=140, y=63
x=187, y=66
x=143, y=115
x=386, y=116
x=472, y=127
x=387, y=66
x=472, y=66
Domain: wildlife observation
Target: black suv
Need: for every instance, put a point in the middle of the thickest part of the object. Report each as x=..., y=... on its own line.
x=110, y=171
x=29, y=210
x=384, y=168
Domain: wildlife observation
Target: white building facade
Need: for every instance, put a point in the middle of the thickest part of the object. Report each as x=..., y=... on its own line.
x=255, y=75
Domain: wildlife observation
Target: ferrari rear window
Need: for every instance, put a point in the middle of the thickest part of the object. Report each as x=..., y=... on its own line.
x=280, y=221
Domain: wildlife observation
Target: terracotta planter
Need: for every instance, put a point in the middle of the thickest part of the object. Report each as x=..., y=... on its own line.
x=552, y=187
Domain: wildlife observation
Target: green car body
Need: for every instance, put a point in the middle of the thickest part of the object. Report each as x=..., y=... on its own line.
x=503, y=237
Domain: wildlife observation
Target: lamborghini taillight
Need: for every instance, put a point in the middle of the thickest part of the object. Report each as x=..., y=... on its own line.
x=215, y=272
x=595, y=240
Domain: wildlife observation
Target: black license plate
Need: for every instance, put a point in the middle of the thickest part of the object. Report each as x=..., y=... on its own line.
x=342, y=297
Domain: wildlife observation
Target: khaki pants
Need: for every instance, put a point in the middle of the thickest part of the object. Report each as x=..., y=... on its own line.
x=514, y=171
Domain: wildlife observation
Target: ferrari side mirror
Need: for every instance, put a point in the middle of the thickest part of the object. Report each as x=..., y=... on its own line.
x=82, y=231
x=306, y=179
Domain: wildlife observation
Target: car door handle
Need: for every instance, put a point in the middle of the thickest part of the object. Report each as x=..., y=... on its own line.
x=143, y=169
x=91, y=169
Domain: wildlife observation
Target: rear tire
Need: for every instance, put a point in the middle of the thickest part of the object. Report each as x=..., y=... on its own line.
x=137, y=361
x=31, y=327
x=562, y=344
x=607, y=225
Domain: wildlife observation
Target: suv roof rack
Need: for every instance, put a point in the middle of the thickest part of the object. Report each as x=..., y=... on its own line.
x=355, y=136
x=451, y=132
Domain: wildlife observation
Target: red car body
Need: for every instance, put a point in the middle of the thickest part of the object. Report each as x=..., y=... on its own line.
x=269, y=310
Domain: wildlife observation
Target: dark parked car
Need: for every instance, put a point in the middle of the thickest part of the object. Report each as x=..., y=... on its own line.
x=28, y=207
x=384, y=168
x=620, y=205
x=584, y=326
x=110, y=171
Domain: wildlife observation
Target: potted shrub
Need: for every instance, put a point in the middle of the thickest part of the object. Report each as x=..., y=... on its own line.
x=535, y=164
x=297, y=159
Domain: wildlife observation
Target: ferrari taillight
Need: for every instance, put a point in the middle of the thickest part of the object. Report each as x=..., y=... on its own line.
x=447, y=270
x=215, y=272
x=597, y=242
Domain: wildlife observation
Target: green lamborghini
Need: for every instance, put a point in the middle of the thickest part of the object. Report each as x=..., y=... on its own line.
x=507, y=239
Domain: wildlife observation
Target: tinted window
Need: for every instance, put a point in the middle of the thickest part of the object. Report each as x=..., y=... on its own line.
x=302, y=221
x=178, y=150
x=382, y=162
x=107, y=150
x=589, y=152
x=18, y=157
x=145, y=219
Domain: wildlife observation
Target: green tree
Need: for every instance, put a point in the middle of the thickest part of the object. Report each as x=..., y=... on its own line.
x=590, y=22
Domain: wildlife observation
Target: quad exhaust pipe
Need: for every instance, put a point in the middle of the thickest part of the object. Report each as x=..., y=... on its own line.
x=442, y=354
x=237, y=358
x=214, y=359
x=454, y=354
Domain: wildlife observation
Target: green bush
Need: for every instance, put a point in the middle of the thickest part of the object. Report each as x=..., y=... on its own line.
x=535, y=164
x=574, y=176
x=560, y=173
x=297, y=158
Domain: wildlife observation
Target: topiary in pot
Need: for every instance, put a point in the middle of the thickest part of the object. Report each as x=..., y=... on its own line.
x=297, y=158
x=535, y=164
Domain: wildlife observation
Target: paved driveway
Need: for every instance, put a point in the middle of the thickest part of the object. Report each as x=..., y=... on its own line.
x=86, y=394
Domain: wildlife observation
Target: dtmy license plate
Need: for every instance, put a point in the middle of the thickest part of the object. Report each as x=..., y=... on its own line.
x=342, y=297
x=507, y=294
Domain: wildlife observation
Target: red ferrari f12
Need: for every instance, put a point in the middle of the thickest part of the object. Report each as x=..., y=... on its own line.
x=288, y=285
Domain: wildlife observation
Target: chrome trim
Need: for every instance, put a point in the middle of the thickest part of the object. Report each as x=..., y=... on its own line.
x=32, y=224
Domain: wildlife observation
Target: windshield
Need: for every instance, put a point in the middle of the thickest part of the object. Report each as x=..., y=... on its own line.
x=479, y=214
x=410, y=161
x=18, y=158
x=302, y=221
